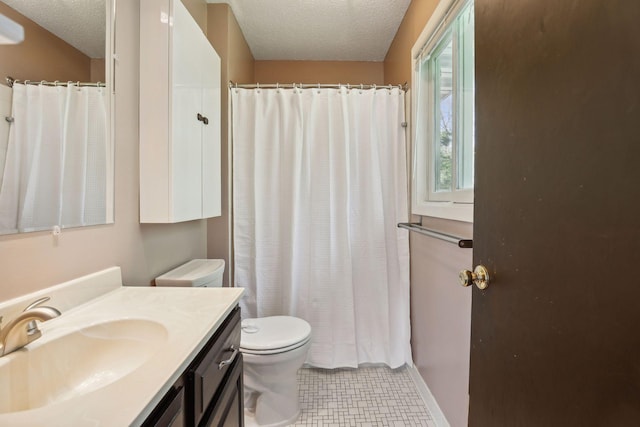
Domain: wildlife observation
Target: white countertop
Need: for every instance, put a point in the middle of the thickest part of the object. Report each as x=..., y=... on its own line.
x=190, y=317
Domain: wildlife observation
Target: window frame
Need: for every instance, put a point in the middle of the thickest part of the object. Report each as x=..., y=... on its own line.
x=457, y=204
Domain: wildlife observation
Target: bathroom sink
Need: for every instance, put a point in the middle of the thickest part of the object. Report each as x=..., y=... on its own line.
x=76, y=363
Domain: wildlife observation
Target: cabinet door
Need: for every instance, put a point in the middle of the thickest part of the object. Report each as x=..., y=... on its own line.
x=211, y=162
x=228, y=409
x=187, y=74
x=170, y=410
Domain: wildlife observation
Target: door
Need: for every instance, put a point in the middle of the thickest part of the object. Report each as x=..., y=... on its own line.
x=556, y=336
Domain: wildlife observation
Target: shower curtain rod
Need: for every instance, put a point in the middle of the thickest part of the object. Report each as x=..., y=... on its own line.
x=11, y=81
x=311, y=86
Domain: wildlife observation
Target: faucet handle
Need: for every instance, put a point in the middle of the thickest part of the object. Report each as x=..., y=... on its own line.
x=37, y=303
x=32, y=326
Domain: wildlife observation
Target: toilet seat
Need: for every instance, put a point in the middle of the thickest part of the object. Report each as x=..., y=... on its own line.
x=273, y=334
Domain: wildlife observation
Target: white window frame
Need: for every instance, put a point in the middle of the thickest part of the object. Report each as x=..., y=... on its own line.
x=455, y=205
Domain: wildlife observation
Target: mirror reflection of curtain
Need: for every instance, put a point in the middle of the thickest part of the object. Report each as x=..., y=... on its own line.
x=56, y=158
x=85, y=165
x=5, y=112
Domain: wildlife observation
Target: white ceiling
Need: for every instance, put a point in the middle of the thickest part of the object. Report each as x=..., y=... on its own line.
x=81, y=23
x=321, y=30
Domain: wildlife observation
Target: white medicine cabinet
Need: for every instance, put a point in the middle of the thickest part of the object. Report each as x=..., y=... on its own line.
x=179, y=116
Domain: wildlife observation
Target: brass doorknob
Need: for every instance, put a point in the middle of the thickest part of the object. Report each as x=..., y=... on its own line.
x=479, y=277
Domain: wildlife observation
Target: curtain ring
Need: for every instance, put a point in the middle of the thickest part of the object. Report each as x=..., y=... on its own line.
x=318, y=88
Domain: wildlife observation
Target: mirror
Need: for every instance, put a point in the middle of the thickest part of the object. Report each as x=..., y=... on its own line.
x=56, y=127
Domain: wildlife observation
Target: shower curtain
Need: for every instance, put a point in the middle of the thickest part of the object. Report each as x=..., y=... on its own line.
x=55, y=168
x=319, y=185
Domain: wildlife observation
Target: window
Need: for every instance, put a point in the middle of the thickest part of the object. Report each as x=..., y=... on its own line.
x=444, y=119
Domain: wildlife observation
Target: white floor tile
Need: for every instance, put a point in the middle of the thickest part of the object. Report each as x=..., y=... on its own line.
x=364, y=397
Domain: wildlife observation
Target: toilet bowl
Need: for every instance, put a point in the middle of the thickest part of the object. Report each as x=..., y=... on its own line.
x=273, y=349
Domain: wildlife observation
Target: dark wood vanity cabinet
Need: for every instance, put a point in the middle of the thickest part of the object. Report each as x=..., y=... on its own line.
x=209, y=393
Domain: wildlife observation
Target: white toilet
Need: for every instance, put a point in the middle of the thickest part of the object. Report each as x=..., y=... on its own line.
x=273, y=349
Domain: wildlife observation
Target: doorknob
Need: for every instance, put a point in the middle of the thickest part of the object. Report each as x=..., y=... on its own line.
x=479, y=276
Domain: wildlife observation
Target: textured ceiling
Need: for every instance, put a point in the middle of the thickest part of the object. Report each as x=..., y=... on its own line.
x=322, y=30
x=81, y=23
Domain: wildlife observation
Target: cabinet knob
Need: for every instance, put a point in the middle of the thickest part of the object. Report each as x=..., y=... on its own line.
x=203, y=119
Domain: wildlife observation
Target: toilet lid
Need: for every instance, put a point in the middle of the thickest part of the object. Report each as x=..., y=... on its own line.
x=273, y=333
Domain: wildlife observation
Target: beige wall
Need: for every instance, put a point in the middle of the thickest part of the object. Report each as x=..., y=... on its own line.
x=42, y=56
x=33, y=261
x=237, y=64
x=98, y=70
x=327, y=72
x=397, y=63
x=440, y=308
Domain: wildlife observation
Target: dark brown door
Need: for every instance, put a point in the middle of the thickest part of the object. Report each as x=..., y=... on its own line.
x=556, y=336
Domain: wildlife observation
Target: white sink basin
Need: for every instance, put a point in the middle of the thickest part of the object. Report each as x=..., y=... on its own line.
x=76, y=363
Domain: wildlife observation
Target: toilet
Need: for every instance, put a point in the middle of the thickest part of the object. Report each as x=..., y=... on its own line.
x=273, y=349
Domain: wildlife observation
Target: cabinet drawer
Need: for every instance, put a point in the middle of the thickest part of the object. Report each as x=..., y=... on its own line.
x=209, y=370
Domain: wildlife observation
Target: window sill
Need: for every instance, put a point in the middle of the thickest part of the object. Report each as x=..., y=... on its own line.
x=446, y=210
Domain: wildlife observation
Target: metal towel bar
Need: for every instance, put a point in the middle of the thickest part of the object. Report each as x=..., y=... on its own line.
x=418, y=228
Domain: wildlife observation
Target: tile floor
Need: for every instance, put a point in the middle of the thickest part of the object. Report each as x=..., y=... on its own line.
x=364, y=397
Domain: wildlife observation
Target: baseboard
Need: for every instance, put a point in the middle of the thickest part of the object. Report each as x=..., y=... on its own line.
x=436, y=413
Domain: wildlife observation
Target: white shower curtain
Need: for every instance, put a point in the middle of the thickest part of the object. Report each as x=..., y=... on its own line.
x=56, y=158
x=320, y=184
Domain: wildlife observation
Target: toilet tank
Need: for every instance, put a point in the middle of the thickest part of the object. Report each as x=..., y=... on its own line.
x=196, y=273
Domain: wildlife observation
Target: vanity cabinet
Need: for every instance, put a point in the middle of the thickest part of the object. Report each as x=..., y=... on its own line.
x=209, y=392
x=179, y=116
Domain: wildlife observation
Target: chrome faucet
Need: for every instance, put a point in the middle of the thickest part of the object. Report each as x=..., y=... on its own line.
x=23, y=329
